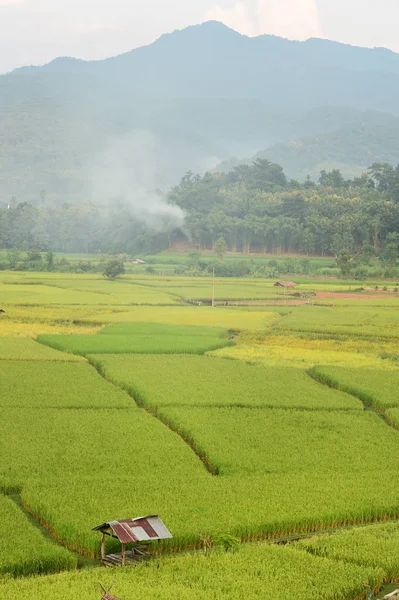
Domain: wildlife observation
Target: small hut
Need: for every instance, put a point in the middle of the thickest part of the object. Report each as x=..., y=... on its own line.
x=138, y=531
x=285, y=284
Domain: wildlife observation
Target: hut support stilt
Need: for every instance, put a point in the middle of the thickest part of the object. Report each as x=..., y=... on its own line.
x=103, y=546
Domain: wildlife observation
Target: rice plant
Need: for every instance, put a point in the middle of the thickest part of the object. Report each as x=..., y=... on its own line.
x=151, y=339
x=209, y=381
x=374, y=546
x=55, y=384
x=251, y=572
x=375, y=388
x=23, y=548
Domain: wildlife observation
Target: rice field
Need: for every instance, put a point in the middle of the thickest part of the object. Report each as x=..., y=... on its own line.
x=192, y=315
x=247, y=573
x=241, y=440
x=374, y=546
x=393, y=416
x=20, y=348
x=56, y=384
x=118, y=400
x=23, y=548
x=378, y=389
x=354, y=322
x=53, y=444
x=195, y=503
x=214, y=382
x=143, y=338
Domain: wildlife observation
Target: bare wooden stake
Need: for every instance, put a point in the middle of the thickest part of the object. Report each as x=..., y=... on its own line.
x=103, y=546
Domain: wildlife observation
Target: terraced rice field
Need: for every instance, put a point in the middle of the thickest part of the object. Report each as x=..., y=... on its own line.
x=255, y=422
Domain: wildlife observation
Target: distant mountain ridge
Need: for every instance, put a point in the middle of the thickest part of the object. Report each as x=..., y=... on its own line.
x=202, y=94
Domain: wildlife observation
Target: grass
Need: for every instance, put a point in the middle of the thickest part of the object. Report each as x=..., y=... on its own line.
x=281, y=572
x=24, y=551
x=374, y=546
x=141, y=338
x=206, y=381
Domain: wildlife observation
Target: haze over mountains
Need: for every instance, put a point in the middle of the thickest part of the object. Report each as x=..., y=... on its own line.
x=192, y=100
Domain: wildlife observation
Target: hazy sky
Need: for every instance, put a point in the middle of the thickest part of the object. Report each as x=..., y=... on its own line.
x=36, y=31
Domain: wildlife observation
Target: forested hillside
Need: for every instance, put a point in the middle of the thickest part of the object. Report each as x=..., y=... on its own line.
x=191, y=100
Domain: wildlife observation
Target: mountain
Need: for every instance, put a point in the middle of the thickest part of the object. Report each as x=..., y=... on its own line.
x=347, y=140
x=190, y=100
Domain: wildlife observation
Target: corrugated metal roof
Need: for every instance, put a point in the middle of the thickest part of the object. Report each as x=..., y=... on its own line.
x=109, y=597
x=140, y=529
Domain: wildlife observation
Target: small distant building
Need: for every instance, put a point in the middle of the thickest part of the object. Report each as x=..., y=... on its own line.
x=285, y=284
x=132, y=531
x=138, y=261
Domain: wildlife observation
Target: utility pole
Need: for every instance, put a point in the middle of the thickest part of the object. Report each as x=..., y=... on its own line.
x=213, y=286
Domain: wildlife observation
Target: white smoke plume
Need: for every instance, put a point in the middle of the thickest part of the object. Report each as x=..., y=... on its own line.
x=293, y=19
x=127, y=171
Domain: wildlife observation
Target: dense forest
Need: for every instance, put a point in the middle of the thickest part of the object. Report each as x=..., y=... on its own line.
x=252, y=208
x=256, y=209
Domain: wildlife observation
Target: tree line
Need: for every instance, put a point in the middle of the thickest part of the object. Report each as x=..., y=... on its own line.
x=253, y=208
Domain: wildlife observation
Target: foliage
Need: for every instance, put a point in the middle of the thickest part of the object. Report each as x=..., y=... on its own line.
x=254, y=208
x=220, y=247
x=24, y=550
x=113, y=268
x=253, y=213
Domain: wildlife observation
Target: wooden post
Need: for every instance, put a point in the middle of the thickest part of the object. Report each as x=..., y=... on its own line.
x=213, y=286
x=123, y=554
x=103, y=546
